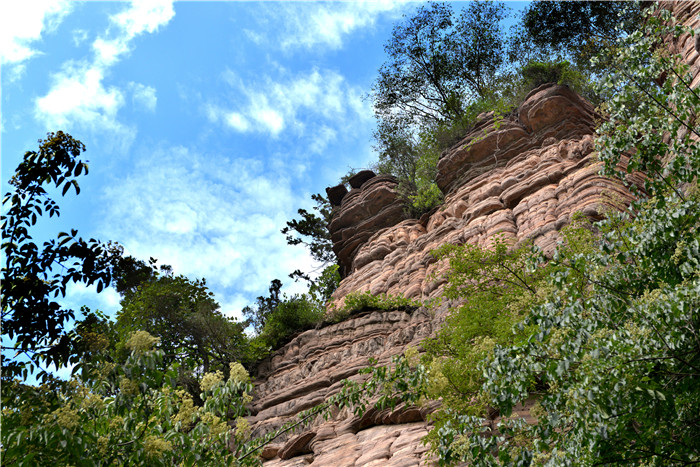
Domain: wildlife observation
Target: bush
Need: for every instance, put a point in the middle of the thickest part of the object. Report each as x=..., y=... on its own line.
x=291, y=316
x=357, y=302
x=537, y=73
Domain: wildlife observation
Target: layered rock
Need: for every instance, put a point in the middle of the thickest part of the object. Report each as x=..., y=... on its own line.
x=519, y=178
x=311, y=368
x=370, y=206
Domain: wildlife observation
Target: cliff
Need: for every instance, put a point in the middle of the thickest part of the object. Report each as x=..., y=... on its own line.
x=521, y=178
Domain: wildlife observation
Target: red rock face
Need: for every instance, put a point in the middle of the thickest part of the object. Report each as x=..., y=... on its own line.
x=311, y=368
x=369, y=207
x=520, y=178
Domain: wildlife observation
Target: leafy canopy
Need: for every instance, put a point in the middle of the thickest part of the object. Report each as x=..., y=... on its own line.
x=436, y=60
x=32, y=275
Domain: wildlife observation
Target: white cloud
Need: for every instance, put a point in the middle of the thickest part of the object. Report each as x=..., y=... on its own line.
x=207, y=216
x=142, y=16
x=79, y=36
x=237, y=121
x=22, y=24
x=79, y=94
x=143, y=97
x=310, y=24
x=291, y=104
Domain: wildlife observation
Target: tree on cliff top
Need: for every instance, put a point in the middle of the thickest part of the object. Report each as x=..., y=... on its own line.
x=580, y=29
x=437, y=60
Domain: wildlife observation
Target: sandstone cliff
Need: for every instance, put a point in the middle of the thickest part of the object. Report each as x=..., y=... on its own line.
x=521, y=177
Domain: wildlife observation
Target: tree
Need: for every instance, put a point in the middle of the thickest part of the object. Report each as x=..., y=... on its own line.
x=312, y=231
x=126, y=414
x=412, y=159
x=191, y=330
x=257, y=316
x=33, y=276
x=437, y=61
x=579, y=29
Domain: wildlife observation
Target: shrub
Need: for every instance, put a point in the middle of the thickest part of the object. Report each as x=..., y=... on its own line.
x=291, y=316
x=357, y=302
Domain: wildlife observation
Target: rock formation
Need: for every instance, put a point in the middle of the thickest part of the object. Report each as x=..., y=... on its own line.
x=370, y=206
x=311, y=367
x=520, y=177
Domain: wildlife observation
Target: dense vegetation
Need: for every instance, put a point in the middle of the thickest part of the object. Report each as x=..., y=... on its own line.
x=602, y=337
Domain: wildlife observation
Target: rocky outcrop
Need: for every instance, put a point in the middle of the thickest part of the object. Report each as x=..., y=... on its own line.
x=370, y=206
x=519, y=178
x=311, y=368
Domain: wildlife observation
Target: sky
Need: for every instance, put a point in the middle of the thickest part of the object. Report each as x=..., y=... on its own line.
x=207, y=124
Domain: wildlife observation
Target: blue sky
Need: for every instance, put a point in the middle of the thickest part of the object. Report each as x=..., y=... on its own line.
x=207, y=124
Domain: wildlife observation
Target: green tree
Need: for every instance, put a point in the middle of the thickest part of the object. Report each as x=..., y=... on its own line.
x=32, y=276
x=126, y=414
x=312, y=231
x=579, y=30
x=183, y=315
x=258, y=314
x=436, y=61
x=277, y=317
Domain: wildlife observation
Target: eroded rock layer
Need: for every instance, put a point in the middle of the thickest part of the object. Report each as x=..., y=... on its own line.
x=520, y=178
x=311, y=368
x=370, y=206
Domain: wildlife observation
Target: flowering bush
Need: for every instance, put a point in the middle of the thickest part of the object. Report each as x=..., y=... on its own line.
x=129, y=414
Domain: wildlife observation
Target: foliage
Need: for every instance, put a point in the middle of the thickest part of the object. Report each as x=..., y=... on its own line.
x=290, y=316
x=436, y=59
x=438, y=63
x=358, y=302
x=129, y=414
x=323, y=287
x=495, y=287
x=312, y=231
x=277, y=318
x=579, y=30
x=33, y=276
x=257, y=316
x=413, y=160
x=186, y=319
